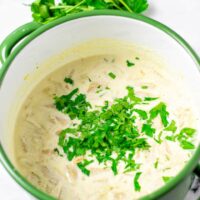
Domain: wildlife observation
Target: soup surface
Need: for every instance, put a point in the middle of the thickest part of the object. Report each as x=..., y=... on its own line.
x=114, y=126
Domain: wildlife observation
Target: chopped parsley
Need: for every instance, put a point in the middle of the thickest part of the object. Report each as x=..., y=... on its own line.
x=73, y=108
x=188, y=132
x=114, y=166
x=144, y=87
x=156, y=163
x=186, y=144
x=160, y=109
x=129, y=63
x=150, y=98
x=170, y=138
x=172, y=127
x=103, y=132
x=113, y=76
x=141, y=113
x=131, y=164
x=167, y=178
x=109, y=133
x=148, y=130
x=137, y=58
x=136, y=181
x=82, y=166
x=132, y=96
x=69, y=80
x=184, y=138
x=158, y=139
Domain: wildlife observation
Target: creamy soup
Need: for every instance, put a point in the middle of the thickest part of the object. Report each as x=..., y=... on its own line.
x=132, y=98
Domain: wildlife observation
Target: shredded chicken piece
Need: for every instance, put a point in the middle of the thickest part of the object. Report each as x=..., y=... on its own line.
x=92, y=86
x=71, y=173
x=78, y=159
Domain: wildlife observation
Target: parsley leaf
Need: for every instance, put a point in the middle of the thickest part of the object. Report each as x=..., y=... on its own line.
x=184, y=136
x=132, y=96
x=170, y=138
x=69, y=80
x=148, y=130
x=158, y=139
x=70, y=106
x=82, y=166
x=136, y=181
x=129, y=63
x=150, y=98
x=186, y=144
x=131, y=165
x=172, y=127
x=188, y=132
x=113, y=76
x=114, y=166
x=156, y=163
x=136, y=5
x=160, y=109
x=141, y=113
x=167, y=178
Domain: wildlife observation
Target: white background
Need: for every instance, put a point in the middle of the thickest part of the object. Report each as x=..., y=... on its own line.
x=183, y=16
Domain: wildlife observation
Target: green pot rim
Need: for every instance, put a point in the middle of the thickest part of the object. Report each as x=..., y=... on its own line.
x=189, y=167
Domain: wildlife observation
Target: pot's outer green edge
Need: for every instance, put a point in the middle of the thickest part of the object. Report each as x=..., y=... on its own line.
x=20, y=179
x=192, y=163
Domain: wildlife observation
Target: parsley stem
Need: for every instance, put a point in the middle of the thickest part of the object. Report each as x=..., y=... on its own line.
x=114, y=4
x=77, y=5
x=125, y=5
x=60, y=7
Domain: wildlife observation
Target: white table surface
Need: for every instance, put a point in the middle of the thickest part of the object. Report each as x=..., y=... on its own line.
x=183, y=16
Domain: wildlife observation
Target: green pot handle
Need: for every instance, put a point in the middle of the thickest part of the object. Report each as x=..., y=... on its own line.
x=14, y=38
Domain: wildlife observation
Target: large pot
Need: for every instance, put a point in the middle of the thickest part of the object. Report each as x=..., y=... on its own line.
x=43, y=41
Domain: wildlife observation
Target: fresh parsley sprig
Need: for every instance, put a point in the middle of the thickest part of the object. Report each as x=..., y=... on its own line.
x=44, y=11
